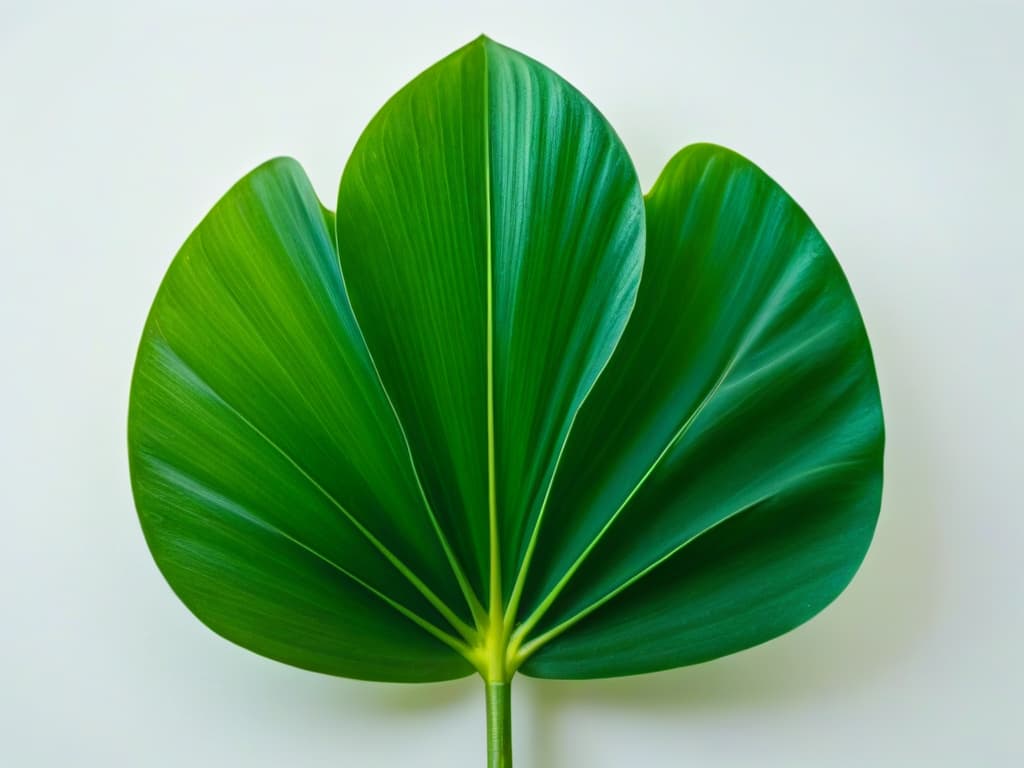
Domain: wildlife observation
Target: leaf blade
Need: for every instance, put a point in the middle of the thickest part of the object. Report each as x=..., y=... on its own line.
x=723, y=235
x=514, y=256
x=264, y=344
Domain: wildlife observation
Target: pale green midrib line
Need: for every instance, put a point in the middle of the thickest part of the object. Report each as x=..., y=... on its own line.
x=475, y=608
x=457, y=624
x=426, y=625
x=530, y=647
x=495, y=599
x=758, y=325
x=528, y=625
x=520, y=583
x=521, y=576
x=310, y=200
x=472, y=601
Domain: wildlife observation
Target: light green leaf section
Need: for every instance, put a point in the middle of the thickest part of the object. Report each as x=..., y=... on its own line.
x=722, y=482
x=272, y=479
x=490, y=227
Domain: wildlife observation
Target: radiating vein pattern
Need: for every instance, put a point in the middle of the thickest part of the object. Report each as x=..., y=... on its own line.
x=490, y=316
x=270, y=400
x=743, y=382
x=566, y=275
x=502, y=412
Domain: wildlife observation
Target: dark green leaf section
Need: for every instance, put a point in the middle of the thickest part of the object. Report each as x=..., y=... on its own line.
x=752, y=578
x=722, y=482
x=568, y=237
x=491, y=232
x=413, y=233
x=271, y=477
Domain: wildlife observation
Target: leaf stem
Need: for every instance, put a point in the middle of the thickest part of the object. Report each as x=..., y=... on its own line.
x=499, y=724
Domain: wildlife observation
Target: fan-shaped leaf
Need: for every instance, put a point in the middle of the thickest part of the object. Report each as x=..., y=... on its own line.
x=454, y=428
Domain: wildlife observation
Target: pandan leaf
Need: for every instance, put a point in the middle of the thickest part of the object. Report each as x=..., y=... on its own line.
x=502, y=413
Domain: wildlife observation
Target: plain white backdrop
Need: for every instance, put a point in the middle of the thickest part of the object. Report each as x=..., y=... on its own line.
x=898, y=126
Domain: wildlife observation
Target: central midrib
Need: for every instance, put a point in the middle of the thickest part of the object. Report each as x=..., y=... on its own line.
x=495, y=640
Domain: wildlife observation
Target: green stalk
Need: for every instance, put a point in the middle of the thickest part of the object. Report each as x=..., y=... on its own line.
x=499, y=724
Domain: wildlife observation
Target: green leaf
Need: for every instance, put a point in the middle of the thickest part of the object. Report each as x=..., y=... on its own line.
x=271, y=476
x=490, y=228
x=723, y=480
x=503, y=412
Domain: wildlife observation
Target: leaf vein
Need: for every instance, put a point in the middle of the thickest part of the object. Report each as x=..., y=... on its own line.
x=457, y=624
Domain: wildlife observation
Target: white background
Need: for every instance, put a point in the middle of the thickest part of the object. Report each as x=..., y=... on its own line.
x=898, y=127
